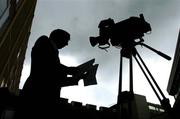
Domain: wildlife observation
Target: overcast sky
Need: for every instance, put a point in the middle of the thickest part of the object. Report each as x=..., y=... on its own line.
x=81, y=18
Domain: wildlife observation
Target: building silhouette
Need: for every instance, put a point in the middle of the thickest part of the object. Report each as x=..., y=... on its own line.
x=15, y=24
x=173, y=87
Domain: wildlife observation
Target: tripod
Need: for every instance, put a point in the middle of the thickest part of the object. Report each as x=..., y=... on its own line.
x=129, y=51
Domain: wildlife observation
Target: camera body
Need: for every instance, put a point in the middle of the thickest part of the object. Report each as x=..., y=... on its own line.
x=121, y=33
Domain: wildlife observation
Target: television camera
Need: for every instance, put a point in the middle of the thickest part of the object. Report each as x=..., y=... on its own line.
x=122, y=33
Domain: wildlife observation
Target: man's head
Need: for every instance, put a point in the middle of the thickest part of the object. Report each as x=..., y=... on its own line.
x=60, y=38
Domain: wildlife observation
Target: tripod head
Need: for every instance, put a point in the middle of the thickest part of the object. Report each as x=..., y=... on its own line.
x=156, y=51
x=126, y=48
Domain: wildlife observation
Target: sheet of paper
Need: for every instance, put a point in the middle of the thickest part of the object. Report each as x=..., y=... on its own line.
x=91, y=70
x=91, y=78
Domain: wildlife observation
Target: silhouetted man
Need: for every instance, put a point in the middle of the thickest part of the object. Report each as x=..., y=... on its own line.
x=47, y=74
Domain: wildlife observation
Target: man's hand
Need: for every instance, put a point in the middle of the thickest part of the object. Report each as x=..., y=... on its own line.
x=84, y=75
x=73, y=70
x=78, y=77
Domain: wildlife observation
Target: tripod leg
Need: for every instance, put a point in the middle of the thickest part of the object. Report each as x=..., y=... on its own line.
x=151, y=76
x=120, y=79
x=147, y=78
x=131, y=74
x=165, y=101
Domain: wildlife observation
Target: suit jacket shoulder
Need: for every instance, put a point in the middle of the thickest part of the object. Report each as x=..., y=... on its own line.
x=42, y=40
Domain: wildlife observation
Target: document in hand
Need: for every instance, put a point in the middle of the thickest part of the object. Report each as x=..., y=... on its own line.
x=91, y=70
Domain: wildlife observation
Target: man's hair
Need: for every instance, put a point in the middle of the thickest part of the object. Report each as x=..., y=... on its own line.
x=59, y=33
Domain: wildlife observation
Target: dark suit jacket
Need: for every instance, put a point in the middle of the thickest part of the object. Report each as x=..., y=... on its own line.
x=47, y=74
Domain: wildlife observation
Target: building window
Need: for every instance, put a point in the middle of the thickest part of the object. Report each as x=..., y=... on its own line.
x=4, y=11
